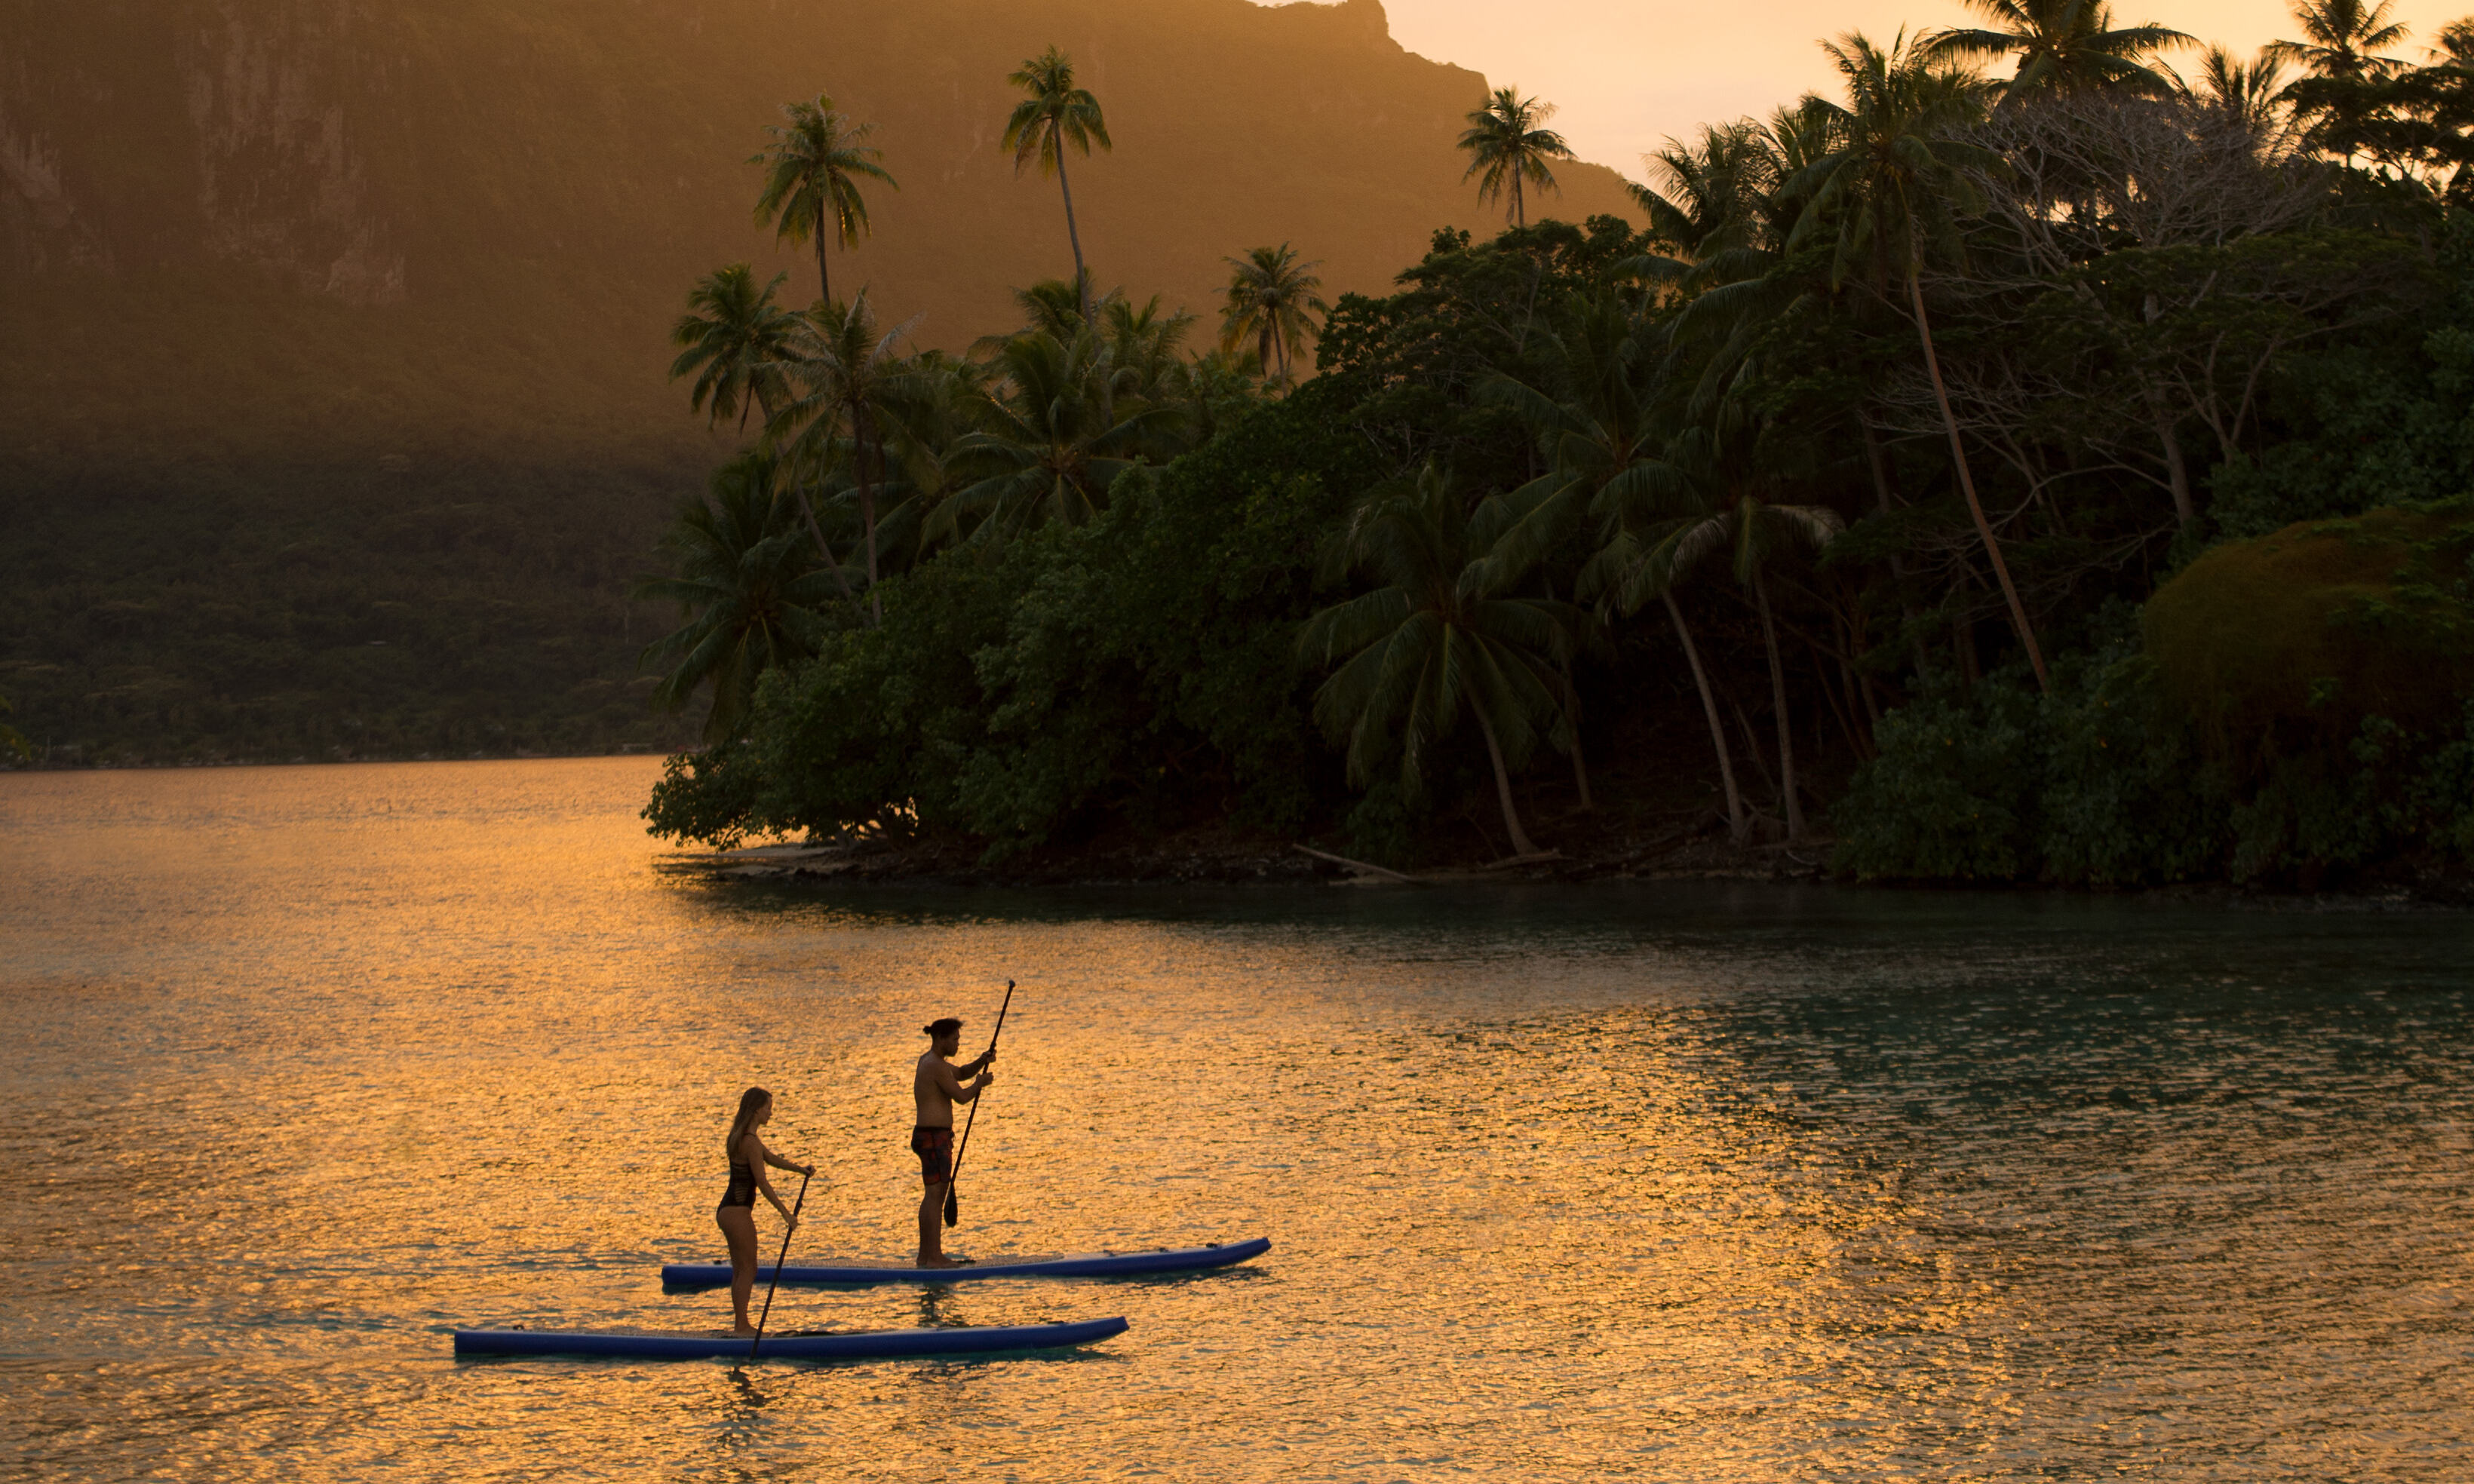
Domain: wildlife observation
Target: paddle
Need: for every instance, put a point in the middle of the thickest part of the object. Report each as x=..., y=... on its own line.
x=953, y=1177
x=795, y=1207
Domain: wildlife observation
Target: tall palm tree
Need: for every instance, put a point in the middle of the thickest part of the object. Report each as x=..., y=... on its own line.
x=749, y=592
x=1057, y=114
x=2062, y=45
x=1270, y=297
x=1891, y=192
x=1052, y=446
x=844, y=367
x=736, y=339
x=1599, y=419
x=1436, y=641
x=813, y=186
x=1509, y=145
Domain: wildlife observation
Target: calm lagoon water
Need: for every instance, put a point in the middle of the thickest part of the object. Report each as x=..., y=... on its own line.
x=305, y=1067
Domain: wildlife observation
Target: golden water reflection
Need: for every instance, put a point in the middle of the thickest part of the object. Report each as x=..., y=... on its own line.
x=307, y=1067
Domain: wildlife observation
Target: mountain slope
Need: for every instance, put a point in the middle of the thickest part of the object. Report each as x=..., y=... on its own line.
x=333, y=418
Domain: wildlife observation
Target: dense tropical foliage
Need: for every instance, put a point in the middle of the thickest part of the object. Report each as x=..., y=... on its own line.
x=2061, y=471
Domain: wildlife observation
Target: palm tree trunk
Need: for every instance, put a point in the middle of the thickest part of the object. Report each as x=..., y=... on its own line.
x=1520, y=841
x=1740, y=827
x=1777, y=698
x=824, y=274
x=1967, y=486
x=1520, y=214
x=866, y=515
x=1081, y=279
x=1572, y=710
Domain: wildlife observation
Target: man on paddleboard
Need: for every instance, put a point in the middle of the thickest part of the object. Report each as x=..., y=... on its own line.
x=936, y=1085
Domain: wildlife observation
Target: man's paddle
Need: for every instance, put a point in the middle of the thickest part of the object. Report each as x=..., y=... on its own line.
x=953, y=1197
x=795, y=1207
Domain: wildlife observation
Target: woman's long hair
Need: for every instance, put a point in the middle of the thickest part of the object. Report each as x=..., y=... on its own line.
x=750, y=1103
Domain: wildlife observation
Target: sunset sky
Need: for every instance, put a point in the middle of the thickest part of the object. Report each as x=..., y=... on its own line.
x=1627, y=74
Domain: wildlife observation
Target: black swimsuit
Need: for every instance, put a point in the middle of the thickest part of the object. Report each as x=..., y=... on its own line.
x=742, y=1184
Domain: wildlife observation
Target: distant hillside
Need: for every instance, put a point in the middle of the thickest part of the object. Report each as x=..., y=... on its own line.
x=332, y=409
x=331, y=223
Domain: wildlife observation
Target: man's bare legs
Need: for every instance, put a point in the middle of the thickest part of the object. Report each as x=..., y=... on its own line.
x=931, y=1231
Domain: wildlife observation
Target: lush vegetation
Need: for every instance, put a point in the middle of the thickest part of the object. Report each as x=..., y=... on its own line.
x=2033, y=462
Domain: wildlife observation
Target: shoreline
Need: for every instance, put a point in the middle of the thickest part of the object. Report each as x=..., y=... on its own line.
x=1239, y=862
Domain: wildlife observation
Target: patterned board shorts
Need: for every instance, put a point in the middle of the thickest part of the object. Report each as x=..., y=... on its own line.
x=934, y=1148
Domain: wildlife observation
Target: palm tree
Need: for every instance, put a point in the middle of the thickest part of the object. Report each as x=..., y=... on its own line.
x=1436, y=640
x=1716, y=190
x=1054, y=443
x=1143, y=343
x=1509, y=145
x=2064, y=45
x=940, y=400
x=1600, y=424
x=1719, y=464
x=1057, y=306
x=1270, y=296
x=1057, y=114
x=2241, y=95
x=1051, y=306
x=816, y=163
x=2342, y=94
x=845, y=368
x=1893, y=190
x=749, y=593
x=734, y=338
x=2340, y=38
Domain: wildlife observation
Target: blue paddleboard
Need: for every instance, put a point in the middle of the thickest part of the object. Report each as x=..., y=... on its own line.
x=851, y=1345
x=1089, y=1264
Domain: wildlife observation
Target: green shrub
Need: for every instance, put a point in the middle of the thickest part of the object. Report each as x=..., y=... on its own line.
x=2105, y=783
x=1951, y=795
x=2123, y=798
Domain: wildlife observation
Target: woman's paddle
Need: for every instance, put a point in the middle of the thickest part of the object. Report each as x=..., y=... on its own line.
x=953, y=1199
x=796, y=1207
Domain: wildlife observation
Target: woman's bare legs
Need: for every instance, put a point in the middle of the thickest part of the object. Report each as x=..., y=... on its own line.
x=737, y=1225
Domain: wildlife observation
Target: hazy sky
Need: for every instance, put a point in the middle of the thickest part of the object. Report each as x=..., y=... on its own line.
x=1627, y=73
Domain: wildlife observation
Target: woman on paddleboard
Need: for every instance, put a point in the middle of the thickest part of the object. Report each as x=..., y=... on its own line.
x=737, y=1214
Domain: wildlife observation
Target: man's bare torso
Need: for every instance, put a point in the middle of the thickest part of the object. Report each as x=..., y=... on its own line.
x=932, y=1087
